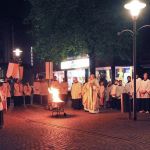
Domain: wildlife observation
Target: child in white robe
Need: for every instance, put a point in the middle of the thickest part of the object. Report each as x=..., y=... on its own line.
x=102, y=94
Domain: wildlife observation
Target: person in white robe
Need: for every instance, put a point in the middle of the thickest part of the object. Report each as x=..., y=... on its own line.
x=113, y=96
x=55, y=83
x=1, y=108
x=128, y=87
x=102, y=93
x=108, y=89
x=148, y=90
x=18, y=93
x=138, y=84
x=144, y=95
x=27, y=93
x=119, y=92
x=76, y=94
x=44, y=92
x=128, y=94
x=64, y=90
x=36, y=92
x=6, y=91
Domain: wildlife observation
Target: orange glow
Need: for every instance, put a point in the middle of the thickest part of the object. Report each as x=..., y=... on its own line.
x=55, y=94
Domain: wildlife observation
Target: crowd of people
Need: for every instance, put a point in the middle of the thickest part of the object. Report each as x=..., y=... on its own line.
x=94, y=95
x=90, y=96
x=23, y=93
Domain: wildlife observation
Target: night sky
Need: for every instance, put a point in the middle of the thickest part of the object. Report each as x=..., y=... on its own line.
x=13, y=9
x=13, y=12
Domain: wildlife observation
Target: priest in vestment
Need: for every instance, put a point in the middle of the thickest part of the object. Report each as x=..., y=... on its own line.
x=93, y=101
x=85, y=91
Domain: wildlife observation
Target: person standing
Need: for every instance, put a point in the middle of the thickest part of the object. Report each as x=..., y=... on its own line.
x=113, y=97
x=76, y=93
x=27, y=93
x=18, y=93
x=138, y=85
x=148, y=102
x=101, y=93
x=108, y=90
x=1, y=109
x=128, y=87
x=85, y=96
x=6, y=91
x=44, y=92
x=93, y=94
x=128, y=93
x=144, y=95
x=64, y=90
x=119, y=92
x=36, y=92
x=55, y=83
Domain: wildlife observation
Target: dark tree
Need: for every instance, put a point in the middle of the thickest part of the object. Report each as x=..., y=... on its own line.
x=63, y=28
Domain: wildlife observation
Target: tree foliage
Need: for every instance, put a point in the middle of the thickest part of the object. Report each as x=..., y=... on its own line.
x=63, y=28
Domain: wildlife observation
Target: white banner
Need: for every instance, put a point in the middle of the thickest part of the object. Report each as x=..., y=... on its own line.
x=15, y=71
x=49, y=70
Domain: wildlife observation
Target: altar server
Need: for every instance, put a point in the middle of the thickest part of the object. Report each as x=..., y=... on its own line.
x=36, y=92
x=27, y=93
x=144, y=94
x=55, y=83
x=102, y=93
x=113, y=96
x=76, y=94
x=1, y=108
x=64, y=90
x=128, y=87
x=18, y=93
x=119, y=92
x=44, y=91
x=6, y=91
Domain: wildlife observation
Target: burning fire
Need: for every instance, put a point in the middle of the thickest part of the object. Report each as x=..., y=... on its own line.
x=55, y=94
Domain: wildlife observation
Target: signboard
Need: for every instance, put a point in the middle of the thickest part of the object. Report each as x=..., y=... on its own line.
x=15, y=71
x=74, y=64
x=121, y=73
x=60, y=75
x=49, y=70
x=20, y=73
x=104, y=72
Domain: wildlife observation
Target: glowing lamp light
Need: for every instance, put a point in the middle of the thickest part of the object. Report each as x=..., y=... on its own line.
x=17, y=52
x=135, y=7
x=55, y=94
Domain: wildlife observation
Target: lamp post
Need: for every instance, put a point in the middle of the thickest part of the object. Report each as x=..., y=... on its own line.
x=134, y=7
x=17, y=53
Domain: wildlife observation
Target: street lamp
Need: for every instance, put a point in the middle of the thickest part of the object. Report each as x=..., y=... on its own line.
x=17, y=58
x=134, y=7
x=17, y=52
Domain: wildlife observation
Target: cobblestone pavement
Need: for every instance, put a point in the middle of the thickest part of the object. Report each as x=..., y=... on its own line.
x=33, y=128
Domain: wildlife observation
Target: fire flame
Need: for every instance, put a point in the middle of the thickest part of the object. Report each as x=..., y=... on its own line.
x=55, y=94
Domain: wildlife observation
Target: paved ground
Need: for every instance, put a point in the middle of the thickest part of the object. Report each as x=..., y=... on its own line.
x=33, y=128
